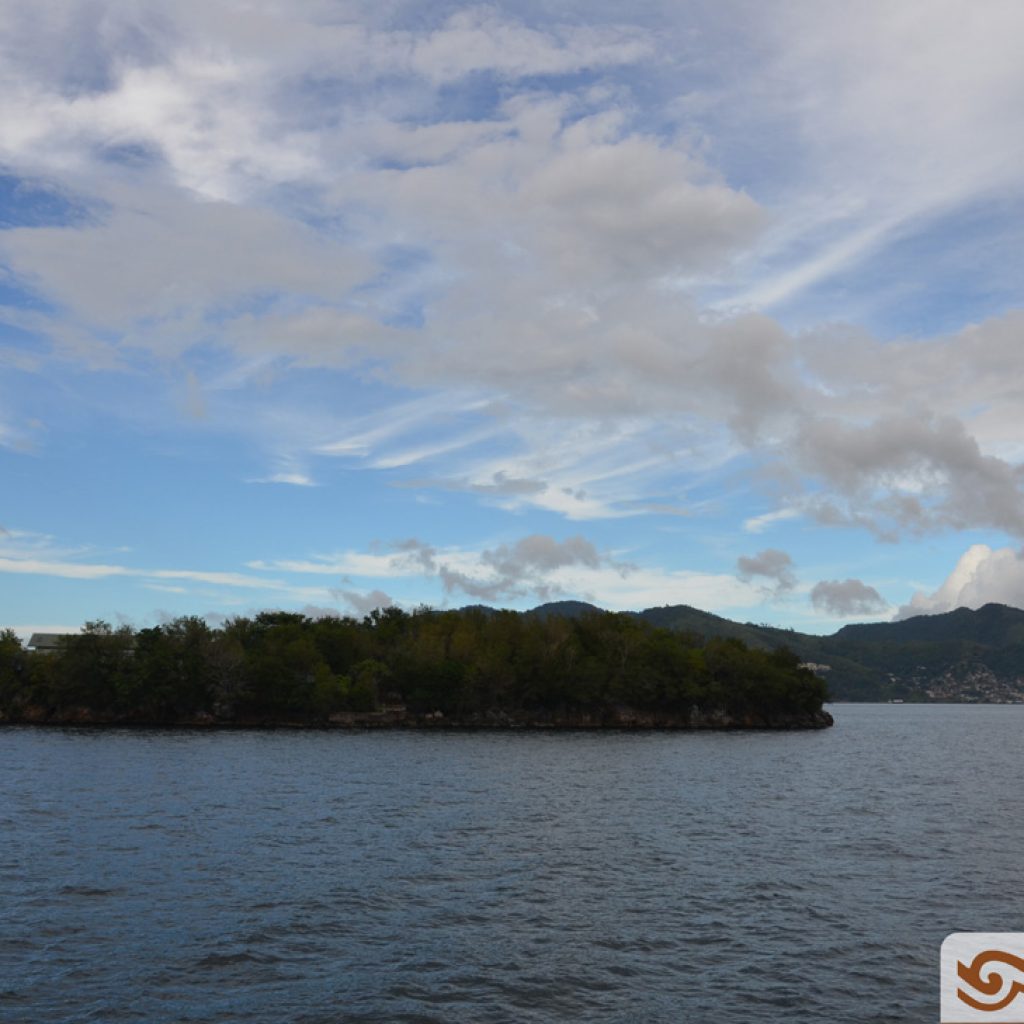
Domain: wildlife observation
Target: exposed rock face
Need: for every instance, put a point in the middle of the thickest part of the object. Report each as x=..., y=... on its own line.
x=631, y=718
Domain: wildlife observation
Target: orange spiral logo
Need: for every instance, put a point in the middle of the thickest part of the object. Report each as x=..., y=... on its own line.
x=991, y=990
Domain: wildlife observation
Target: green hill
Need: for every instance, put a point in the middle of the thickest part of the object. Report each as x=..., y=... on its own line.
x=963, y=655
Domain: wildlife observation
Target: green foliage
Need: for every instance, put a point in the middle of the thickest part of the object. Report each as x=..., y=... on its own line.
x=330, y=692
x=365, y=685
x=93, y=667
x=282, y=666
x=14, y=678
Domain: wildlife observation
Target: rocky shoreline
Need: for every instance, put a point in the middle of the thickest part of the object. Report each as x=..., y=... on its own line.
x=620, y=718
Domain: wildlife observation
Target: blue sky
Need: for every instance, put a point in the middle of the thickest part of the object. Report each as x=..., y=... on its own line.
x=325, y=305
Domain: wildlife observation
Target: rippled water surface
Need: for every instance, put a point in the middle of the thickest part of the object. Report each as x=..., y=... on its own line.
x=662, y=877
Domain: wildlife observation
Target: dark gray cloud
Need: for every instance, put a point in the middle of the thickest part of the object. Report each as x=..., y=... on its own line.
x=521, y=568
x=362, y=603
x=844, y=598
x=770, y=564
x=488, y=589
x=509, y=571
x=909, y=473
x=539, y=552
x=315, y=611
x=418, y=553
x=504, y=485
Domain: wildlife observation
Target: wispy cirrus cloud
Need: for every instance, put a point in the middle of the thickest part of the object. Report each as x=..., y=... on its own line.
x=28, y=553
x=292, y=478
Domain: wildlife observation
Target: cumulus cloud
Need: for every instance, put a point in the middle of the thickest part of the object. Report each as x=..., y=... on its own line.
x=844, y=598
x=982, y=575
x=770, y=564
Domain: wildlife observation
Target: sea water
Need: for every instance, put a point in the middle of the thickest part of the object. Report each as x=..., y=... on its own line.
x=309, y=876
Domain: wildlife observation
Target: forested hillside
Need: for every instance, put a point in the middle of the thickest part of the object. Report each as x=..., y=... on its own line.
x=963, y=655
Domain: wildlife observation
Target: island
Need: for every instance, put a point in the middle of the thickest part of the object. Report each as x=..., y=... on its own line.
x=471, y=668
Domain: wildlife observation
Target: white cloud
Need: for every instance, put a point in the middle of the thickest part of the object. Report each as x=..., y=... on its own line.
x=648, y=587
x=165, y=588
x=24, y=632
x=349, y=563
x=27, y=553
x=96, y=570
x=220, y=96
x=399, y=421
x=760, y=523
x=293, y=479
x=287, y=186
x=894, y=115
x=480, y=39
x=68, y=570
x=982, y=575
x=224, y=579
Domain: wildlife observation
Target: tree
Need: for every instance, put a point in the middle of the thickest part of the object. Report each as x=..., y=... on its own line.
x=14, y=675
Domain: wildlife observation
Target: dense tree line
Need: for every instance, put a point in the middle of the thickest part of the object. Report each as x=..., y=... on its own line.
x=280, y=666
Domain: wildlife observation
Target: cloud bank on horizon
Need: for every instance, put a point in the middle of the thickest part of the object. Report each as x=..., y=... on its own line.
x=710, y=303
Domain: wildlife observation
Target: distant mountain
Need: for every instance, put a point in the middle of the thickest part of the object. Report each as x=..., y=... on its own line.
x=567, y=609
x=994, y=625
x=958, y=655
x=963, y=655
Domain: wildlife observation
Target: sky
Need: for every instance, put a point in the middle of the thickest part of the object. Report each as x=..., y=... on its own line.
x=324, y=306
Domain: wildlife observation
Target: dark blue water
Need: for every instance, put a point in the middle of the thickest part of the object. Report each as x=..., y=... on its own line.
x=328, y=877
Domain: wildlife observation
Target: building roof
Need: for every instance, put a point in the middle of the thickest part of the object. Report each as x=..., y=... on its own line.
x=46, y=641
